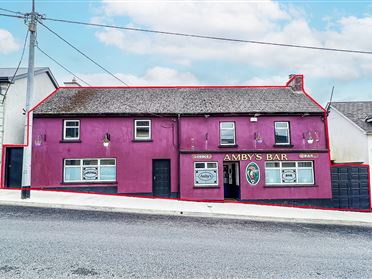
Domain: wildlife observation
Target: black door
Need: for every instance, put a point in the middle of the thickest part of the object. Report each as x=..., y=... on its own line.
x=161, y=178
x=13, y=167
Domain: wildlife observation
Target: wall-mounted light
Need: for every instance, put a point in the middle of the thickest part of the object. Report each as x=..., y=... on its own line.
x=106, y=140
x=308, y=137
x=258, y=138
x=40, y=139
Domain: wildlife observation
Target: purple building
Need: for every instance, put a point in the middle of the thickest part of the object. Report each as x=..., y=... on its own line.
x=196, y=143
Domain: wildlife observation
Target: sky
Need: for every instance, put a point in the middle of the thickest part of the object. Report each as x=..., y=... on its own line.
x=151, y=59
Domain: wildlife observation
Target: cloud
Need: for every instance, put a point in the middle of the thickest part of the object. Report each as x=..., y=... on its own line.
x=7, y=42
x=153, y=76
x=264, y=21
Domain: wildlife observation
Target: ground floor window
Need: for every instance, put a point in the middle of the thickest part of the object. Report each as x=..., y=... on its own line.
x=283, y=173
x=87, y=170
x=205, y=174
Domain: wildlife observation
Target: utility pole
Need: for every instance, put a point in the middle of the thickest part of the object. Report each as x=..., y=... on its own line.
x=27, y=151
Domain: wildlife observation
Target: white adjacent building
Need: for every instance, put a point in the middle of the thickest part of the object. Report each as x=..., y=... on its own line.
x=12, y=116
x=350, y=132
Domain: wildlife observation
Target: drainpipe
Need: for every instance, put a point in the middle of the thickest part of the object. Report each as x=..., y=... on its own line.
x=179, y=153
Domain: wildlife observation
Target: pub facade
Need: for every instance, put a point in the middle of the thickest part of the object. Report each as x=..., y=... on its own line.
x=193, y=143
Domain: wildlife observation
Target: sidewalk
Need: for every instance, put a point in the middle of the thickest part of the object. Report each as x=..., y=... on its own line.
x=111, y=203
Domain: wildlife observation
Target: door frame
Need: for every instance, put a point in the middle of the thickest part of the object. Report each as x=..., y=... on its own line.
x=169, y=174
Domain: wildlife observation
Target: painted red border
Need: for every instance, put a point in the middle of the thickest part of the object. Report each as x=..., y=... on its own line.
x=2, y=182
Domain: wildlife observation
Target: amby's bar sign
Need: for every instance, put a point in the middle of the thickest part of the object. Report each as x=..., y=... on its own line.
x=255, y=157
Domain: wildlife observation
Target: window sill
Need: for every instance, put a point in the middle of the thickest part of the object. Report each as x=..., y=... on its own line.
x=142, y=140
x=290, y=186
x=283, y=145
x=206, y=187
x=70, y=141
x=228, y=146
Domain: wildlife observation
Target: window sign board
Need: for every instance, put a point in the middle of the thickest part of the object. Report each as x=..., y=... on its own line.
x=90, y=173
x=205, y=177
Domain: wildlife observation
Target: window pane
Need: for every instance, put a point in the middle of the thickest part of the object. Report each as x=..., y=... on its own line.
x=143, y=132
x=108, y=173
x=289, y=164
x=305, y=164
x=90, y=162
x=72, y=174
x=228, y=125
x=72, y=123
x=281, y=124
x=272, y=165
x=227, y=136
x=272, y=176
x=72, y=132
x=281, y=136
x=305, y=176
x=144, y=123
x=199, y=165
x=211, y=165
x=72, y=162
x=107, y=162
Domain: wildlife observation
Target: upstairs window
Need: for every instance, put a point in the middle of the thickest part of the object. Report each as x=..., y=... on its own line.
x=71, y=129
x=142, y=129
x=282, y=135
x=227, y=133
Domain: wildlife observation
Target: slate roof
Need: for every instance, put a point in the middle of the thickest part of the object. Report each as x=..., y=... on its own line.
x=169, y=100
x=357, y=112
x=6, y=74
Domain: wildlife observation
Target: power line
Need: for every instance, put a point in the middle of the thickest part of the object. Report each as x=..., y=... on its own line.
x=82, y=53
x=16, y=71
x=10, y=11
x=63, y=67
x=17, y=16
x=210, y=37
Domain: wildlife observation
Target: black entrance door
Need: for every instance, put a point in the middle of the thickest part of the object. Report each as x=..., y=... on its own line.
x=13, y=167
x=161, y=178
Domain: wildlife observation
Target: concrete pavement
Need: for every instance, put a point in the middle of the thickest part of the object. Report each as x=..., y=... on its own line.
x=83, y=201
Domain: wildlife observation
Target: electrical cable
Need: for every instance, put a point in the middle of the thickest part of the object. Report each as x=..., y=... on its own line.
x=16, y=71
x=63, y=67
x=210, y=37
x=82, y=53
x=10, y=11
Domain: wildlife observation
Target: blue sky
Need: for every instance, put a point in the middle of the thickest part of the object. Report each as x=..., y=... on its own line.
x=145, y=59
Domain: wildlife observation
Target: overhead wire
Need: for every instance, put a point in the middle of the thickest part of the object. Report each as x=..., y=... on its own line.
x=210, y=37
x=82, y=53
x=11, y=11
x=59, y=64
x=16, y=71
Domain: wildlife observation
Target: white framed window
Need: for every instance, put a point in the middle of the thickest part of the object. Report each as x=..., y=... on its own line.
x=282, y=134
x=142, y=129
x=89, y=170
x=205, y=174
x=71, y=129
x=286, y=173
x=227, y=133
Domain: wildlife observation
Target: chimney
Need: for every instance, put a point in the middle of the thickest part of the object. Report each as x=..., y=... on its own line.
x=72, y=83
x=296, y=83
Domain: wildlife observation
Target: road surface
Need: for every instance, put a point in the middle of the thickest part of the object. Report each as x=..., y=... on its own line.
x=59, y=243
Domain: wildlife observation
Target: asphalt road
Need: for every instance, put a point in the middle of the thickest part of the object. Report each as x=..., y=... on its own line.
x=56, y=243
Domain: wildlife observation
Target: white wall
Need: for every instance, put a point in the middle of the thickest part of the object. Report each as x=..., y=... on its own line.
x=15, y=102
x=348, y=142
